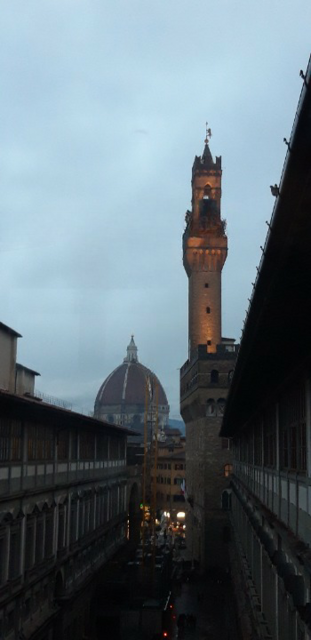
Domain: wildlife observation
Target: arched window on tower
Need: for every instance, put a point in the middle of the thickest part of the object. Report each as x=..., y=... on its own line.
x=227, y=470
x=214, y=376
x=207, y=192
x=211, y=407
x=220, y=406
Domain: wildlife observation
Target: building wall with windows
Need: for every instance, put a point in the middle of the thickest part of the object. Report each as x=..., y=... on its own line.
x=8, y=349
x=67, y=505
x=204, y=384
x=169, y=476
x=268, y=410
x=63, y=514
x=25, y=379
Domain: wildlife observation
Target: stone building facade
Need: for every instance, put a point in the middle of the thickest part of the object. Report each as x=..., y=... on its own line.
x=8, y=350
x=206, y=375
x=268, y=411
x=64, y=511
x=169, y=476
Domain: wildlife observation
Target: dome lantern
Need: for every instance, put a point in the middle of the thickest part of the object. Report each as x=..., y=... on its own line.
x=131, y=355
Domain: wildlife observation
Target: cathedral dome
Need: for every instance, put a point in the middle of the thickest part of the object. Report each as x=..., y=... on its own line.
x=122, y=396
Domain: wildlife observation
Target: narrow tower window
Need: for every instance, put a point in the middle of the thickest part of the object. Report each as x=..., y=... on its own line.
x=214, y=375
x=220, y=406
x=227, y=470
x=208, y=309
x=210, y=407
x=206, y=285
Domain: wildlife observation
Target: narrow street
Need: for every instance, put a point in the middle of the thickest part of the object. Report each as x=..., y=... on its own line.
x=204, y=609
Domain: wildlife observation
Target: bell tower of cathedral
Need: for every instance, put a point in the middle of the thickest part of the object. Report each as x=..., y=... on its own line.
x=205, y=252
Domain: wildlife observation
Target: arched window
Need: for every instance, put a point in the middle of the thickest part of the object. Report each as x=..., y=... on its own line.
x=214, y=376
x=227, y=470
x=210, y=407
x=207, y=192
x=220, y=406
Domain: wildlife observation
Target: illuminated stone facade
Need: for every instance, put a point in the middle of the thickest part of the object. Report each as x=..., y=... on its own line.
x=204, y=253
x=206, y=375
x=170, y=474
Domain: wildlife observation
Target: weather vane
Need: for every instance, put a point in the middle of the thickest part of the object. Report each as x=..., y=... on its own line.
x=208, y=134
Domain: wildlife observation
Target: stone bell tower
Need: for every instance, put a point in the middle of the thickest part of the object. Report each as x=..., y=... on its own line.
x=205, y=376
x=205, y=252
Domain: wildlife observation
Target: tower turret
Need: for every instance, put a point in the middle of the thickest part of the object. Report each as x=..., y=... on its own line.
x=205, y=251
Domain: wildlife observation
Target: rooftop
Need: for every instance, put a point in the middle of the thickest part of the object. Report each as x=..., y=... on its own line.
x=6, y=329
x=276, y=338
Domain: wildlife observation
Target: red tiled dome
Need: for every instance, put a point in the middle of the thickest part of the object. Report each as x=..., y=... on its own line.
x=126, y=385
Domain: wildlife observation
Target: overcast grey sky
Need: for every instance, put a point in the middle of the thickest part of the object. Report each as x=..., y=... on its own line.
x=103, y=108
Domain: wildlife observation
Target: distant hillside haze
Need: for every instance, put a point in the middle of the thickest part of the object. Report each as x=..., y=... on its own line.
x=177, y=424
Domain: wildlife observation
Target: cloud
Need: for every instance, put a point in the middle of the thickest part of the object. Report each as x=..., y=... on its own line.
x=103, y=109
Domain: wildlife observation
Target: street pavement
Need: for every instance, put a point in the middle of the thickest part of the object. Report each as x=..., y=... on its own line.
x=210, y=600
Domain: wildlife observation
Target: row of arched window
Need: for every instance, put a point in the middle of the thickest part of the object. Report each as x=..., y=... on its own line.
x=214, y=379
x=214, y=376
x=52, y=527
x=215, y=407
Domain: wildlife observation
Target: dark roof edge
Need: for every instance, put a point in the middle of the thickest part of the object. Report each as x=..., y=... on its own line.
x=21, y=366
x=7, y=329
x=66, y=414
x=230, y=427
